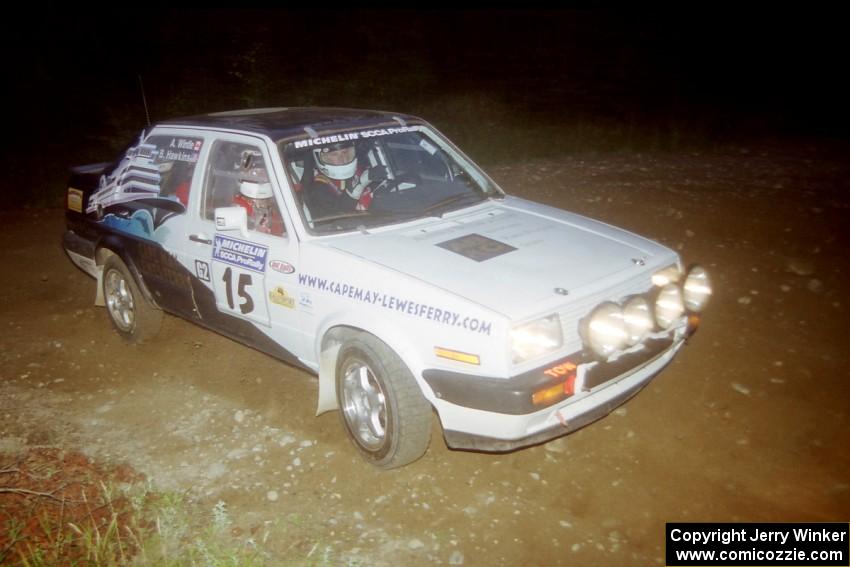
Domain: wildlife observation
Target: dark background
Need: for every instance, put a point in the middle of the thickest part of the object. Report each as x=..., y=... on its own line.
x=504, y=84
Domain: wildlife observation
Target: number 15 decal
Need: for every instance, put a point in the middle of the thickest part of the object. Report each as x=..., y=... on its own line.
x=245, y=281
x=240, y=293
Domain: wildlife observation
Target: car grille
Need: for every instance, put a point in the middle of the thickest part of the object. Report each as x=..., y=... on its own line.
x=572, y=313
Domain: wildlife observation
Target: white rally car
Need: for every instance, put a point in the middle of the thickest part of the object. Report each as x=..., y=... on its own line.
x=366, y=248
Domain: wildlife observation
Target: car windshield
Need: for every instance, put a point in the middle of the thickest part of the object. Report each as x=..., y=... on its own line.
x=359, y=179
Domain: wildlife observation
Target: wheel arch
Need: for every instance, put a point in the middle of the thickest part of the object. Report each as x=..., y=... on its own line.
x=112, y=246
x=334, y=335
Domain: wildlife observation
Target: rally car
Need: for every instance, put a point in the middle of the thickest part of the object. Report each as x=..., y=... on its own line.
x=366, y=248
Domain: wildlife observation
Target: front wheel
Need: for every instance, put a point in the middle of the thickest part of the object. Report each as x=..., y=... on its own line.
x=135, y=319
x=382, y=407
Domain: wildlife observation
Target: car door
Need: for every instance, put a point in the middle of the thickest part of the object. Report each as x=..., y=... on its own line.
x=246, y=277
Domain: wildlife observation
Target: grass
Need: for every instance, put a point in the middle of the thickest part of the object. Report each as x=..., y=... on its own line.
x=146, y=527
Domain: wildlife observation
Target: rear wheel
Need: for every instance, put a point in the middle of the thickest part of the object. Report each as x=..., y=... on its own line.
x=382, y=408
x=135, y=319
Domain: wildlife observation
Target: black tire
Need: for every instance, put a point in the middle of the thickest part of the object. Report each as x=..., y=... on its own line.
x=381, y=406
x=130, y=313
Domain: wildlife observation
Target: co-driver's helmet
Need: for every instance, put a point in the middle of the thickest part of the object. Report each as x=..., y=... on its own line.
x=337, y=161
x=255, y=184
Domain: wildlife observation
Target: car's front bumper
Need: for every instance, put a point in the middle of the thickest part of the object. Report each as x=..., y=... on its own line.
x=467, y=427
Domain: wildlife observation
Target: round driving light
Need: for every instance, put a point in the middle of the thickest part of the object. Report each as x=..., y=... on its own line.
x=669, y=305
x=638, y=318
x=670, y=274
x=697, y=289
x=606, y=329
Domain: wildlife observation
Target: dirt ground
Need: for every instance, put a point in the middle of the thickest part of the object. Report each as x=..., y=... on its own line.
x=749, y=423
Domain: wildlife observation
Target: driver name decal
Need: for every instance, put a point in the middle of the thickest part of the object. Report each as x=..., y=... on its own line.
x=240, y=253
x=181, y=149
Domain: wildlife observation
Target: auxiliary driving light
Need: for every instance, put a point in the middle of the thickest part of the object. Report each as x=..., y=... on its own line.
x=670, y=274
x=638, y=318
x=669, y=306
x=606, y=329
x=697, y=289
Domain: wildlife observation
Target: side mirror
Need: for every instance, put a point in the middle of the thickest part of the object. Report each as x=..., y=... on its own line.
x=232, y=218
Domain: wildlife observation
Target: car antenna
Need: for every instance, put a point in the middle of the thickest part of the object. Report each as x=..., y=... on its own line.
x=144, y=100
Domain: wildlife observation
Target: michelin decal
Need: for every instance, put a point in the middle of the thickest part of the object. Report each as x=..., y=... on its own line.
x=351, y=136
x=240, y=253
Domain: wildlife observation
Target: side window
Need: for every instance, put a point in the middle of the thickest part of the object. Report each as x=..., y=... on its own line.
x=237, y=175
x=175, y=158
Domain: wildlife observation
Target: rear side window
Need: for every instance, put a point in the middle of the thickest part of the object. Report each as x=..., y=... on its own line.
x=175, y=157
x=156, y=167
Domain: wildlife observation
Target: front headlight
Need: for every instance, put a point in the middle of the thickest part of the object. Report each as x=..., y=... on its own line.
x=697, y=289
x=606, y=329
x=536, y=338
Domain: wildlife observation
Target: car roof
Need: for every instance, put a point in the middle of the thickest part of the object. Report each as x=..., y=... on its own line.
x=289, y=122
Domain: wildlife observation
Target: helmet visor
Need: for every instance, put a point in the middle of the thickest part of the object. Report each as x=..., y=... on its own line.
x=341, y=156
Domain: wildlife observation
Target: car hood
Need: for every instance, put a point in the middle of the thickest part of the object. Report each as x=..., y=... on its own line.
x=511, y=255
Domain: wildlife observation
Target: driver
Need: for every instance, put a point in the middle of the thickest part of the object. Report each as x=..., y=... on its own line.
x=256, y=197
x=340, y=184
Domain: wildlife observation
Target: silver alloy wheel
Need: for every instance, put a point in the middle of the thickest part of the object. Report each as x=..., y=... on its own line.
x=364, y=405
x=119, y=300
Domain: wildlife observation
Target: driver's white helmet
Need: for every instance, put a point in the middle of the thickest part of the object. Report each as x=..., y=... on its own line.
x=337, y=161
x=255, y=184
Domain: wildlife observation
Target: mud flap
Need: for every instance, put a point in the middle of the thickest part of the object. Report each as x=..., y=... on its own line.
x=327, y=380
x=98, y=296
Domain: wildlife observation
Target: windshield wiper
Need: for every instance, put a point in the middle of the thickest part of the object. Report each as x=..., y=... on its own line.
x=448, y=201
x=359, y=214
x=340, y=216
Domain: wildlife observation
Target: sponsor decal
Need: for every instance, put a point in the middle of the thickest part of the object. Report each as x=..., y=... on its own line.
x=305, y=300
x=278, y=296
x=476, y=247
x=282, y=267
x=240, y=253
x=560, y=369
x=427, y=146
x=324, y=140
x=202, y=270
x=393, y=303
x=75, y=200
